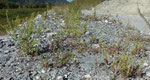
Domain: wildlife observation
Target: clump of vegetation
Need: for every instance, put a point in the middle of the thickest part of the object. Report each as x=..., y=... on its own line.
x=124, y=60
x=27, y=37
x=69, y=38
x=126, y=64
x=79, y=5
x=61, y=59
x=138, y=49
x=18, y=9
x=12, y=13
x=5, y=4
x=22, y=13
x=71, y=34
x=44, y=61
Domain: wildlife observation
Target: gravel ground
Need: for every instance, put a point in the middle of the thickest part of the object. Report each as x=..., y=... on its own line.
x=126, y=11
x=14, y=66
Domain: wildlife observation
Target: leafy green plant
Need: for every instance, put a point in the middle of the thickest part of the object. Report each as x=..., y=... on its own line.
x=105, y=56
x=138, y=49
x=73, y=26
x=124, y=66
x=61, y=59
x=112, y=50
x=68, y=39
x=44, y=61
x=93, y=38
x=138, y=71
x=125, y=63
x=71, y=35
x=96, y=62
x=94, y=14
x=79, y=5
x=27, y=38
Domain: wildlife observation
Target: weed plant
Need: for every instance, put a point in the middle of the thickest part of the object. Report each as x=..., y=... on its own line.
x=12, y=13
x=61, y=59
x=71, y=34
x=126, y=64
x=28, y=34
x=68, y=39
x=124, y=60
x=44, y=61
x=138, y=49
x=72, y=23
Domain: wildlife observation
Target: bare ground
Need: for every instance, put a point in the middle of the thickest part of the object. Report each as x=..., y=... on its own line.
x=127, y=11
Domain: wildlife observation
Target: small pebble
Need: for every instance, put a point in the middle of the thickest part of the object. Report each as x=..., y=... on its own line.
x=59, y=77
x=95, y=46
x=148, y=74
x=51, y=34
x=106, y=21
x=145, y=64
x=43, y=71
x=66, y=76
x=37, y=77
x=88, y=76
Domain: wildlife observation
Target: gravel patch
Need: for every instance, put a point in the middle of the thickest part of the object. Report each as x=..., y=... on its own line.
x=14, y=66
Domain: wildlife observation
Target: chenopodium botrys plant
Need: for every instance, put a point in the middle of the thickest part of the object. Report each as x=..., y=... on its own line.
x=27, y=34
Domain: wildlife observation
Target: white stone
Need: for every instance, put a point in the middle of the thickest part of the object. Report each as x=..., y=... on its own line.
x=52, y=40
x=148, y=74
x=145, y=64
x=62, y=24
x=66, y=76
x=37, y=77
x=106, y=21
x=63, y=21
x=92, y=9
x=88, y=76
x=95, y=45
x=51, y=34
x=59, y=77
x=43, y=71
x=147, y=68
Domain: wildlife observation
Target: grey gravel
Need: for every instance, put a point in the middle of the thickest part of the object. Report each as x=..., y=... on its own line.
x=21, y=67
